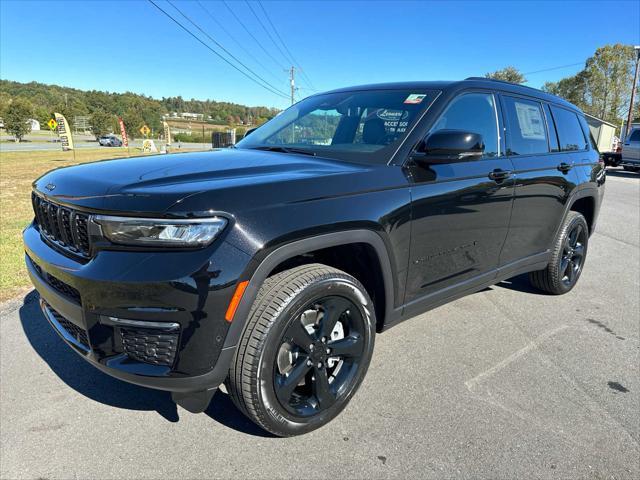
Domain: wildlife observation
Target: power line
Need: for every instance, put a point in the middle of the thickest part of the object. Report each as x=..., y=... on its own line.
x=554, y=68
x=222, y=47
x=267, y=31
x=239, y=44
x=293, y=60
x=251, y=35
x=276, y=92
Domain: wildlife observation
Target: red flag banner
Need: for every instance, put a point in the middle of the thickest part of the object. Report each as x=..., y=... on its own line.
x=123, y=132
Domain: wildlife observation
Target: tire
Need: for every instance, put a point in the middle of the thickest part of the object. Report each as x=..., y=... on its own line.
x=283, y=376
x=568, y=255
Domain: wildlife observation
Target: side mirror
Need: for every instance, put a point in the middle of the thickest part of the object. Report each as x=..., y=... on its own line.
x=450, y=146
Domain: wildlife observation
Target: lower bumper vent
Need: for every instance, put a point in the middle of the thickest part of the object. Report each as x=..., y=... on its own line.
x=150, y=346
x=70, y=330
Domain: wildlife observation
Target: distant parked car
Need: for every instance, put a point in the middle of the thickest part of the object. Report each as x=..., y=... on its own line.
x=109, y=141
x=631, y=152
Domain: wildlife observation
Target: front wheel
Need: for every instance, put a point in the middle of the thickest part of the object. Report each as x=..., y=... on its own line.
x=568, y=255
x=305, y=350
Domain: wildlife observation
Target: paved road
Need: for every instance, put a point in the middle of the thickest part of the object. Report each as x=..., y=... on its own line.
x=51, y=146
x=506, y=383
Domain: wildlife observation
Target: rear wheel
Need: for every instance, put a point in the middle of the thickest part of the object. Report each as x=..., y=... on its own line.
x=305, y=350
x=567, y=257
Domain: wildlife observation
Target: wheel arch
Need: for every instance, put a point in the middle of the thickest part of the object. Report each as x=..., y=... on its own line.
x=291, y=250
x=584, y=202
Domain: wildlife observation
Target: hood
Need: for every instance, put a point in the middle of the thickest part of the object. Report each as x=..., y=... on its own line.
x=153, y=184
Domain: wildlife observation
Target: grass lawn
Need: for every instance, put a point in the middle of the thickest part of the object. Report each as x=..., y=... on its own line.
x=17, y=171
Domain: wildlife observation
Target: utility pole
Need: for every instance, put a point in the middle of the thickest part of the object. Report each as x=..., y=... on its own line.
x=633, y=92
x=292, y=79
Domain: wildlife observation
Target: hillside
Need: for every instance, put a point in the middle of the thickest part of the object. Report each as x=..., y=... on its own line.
x=135, y=109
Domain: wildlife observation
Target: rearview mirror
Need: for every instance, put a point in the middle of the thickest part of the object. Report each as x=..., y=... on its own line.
x=450, y=146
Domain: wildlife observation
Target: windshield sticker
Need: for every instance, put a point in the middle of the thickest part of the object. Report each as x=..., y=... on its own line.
x=391, y=115
x=530, y=121
x=415, y=98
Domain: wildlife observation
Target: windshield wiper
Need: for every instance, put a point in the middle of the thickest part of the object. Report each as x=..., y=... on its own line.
x=279, y=148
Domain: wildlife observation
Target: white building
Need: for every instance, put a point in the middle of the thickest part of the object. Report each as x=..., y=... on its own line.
x=604, y=133
x=192, y=116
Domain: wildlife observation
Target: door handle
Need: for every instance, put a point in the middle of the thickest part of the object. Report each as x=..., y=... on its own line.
x=564, y=167
x=499, y=175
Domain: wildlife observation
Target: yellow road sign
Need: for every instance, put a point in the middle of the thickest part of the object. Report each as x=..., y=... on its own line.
x=52, y=124
x=144, y=130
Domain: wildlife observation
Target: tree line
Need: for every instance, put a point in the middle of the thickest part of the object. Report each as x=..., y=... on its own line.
x=21, y=101
x=602, y=88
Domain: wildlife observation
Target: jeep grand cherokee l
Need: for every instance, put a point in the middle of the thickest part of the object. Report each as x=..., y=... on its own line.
x=272, y=265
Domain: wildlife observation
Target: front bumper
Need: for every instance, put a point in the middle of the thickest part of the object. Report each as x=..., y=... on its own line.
x=181, y=295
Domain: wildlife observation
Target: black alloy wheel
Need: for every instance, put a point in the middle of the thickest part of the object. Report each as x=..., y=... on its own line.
x=305, y=350
x=568, y=255
x=573, y=255
x=319, y=355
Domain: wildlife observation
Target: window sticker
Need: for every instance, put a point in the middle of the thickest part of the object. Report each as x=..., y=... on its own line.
x=530, y=121
x=415, y=98
x=394, y=120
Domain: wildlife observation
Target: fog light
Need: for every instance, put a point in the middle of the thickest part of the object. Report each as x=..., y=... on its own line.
x=155, y=343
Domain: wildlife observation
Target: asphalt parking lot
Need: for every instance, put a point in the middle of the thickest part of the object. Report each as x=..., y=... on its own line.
x=505, y=383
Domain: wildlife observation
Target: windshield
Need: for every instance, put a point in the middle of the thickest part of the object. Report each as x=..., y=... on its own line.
x=366, y=126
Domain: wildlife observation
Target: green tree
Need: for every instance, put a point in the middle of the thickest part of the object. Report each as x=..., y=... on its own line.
x=16, y=117
x=603, y=87
x=101, y=123
x=508, y=74
x=132, y=123
x=610, y=76
x=573, y=89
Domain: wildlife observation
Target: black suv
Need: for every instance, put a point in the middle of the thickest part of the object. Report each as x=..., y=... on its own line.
x=270, y=266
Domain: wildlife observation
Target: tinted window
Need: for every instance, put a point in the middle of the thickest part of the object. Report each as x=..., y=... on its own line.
x=586, y=129
x=569, y=131
x=527, y=130
x=475, y=113
x=635, y=136
x=364, y=125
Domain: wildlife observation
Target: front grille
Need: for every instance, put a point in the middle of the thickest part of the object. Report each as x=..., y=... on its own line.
x=150, y=346
x=64, y=226
x=79, y=333
x=63, y=288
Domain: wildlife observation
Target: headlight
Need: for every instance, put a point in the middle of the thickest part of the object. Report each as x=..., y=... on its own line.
x=161, y=232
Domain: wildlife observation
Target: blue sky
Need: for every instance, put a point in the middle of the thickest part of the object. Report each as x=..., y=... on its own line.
x=130, y=46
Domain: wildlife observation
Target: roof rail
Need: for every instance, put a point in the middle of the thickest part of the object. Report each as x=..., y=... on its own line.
x=508, y=83
x=494, y=80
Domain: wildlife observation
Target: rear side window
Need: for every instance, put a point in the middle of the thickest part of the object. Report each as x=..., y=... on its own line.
x=527, y=130
x=569, y=131
x=586, y=129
